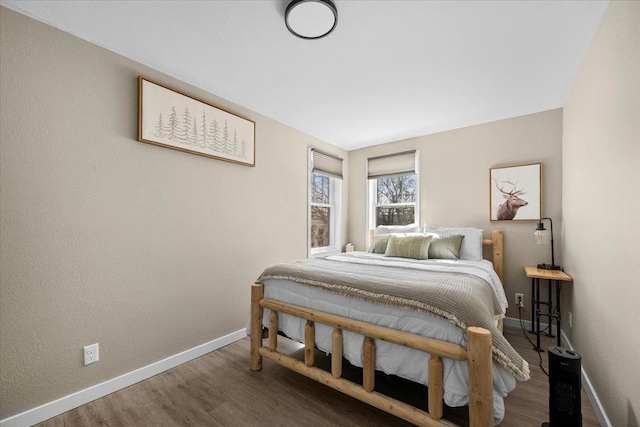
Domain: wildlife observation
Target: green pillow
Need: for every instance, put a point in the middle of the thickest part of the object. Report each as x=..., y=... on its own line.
x=416, y=247
x=445, y=247
x=379, y=244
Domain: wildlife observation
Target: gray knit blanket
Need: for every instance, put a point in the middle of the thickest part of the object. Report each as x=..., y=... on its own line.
x=462, y=298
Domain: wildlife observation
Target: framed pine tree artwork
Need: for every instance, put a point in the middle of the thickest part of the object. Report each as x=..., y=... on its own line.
x=172, y=119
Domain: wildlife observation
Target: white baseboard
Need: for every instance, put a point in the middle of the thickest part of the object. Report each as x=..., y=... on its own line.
x=603, y=419
x=67, y=403
x=510, y=321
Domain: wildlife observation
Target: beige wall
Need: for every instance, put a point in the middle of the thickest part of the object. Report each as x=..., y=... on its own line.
x=149, y=251
x=454, y=184
x=601, y=208
x=146, y=250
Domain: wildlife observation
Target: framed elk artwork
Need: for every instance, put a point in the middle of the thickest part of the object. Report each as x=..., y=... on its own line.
x=516, y=193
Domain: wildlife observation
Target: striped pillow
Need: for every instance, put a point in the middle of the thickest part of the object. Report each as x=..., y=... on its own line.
x=412, y=246
x=379, y=244
x=445, y=247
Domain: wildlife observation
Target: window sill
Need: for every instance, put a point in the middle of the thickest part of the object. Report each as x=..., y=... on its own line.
x=324, y=253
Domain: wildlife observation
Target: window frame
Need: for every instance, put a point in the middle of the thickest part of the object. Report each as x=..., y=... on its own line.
x=372, y=199
x=335, y=215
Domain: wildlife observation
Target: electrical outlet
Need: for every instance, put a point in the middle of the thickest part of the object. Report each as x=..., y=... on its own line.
x=91, y=354
x=570, y=320
x=519, y=299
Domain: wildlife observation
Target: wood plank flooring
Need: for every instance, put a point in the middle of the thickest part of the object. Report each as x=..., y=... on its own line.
x=218, y=389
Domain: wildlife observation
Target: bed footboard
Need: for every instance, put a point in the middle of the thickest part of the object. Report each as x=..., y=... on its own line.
x=478, y=355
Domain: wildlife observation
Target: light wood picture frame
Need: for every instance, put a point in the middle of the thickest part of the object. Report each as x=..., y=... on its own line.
x=172, y=119
x=515, y=193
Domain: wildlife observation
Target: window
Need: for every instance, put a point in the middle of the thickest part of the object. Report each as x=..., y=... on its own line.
x=325, y=200
x=395, y=200
x=393, y=190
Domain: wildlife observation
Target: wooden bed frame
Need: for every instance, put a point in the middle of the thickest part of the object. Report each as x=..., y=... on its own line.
x=477, y=353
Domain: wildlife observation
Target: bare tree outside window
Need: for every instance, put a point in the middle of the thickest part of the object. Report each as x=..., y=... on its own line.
x=396, y=200
x=320, y=211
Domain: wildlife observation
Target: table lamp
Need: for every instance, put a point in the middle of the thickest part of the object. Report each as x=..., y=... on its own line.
x=540, y=238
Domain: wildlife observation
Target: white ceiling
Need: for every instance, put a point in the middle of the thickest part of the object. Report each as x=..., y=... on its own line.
x=390, y=70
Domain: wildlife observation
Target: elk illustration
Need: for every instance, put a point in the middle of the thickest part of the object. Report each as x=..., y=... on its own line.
x=509, y=208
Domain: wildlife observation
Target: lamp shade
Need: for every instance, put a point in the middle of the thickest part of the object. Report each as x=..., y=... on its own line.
x=311, y=19
x=540, y=235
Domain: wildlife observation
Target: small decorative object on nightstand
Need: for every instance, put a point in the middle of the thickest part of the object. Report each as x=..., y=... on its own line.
x=556, y=277
x=540, y=238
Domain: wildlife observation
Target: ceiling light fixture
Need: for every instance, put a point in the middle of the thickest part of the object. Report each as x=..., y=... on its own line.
x=311, y=19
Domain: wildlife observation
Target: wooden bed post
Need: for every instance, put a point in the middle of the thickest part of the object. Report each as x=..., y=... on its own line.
x=257, y=293
x=309, y=343
x=480, y=377
x=336, y=353
x=273, y=330
x=368, y=364
x=435, y=389
x=498, y=254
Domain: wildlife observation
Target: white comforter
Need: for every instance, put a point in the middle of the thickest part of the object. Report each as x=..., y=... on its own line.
x=390, y=358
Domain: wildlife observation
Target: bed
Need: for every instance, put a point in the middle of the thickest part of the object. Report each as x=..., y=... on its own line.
x=353, y=305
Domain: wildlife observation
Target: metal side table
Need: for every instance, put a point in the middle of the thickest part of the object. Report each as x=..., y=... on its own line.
x=553, y=277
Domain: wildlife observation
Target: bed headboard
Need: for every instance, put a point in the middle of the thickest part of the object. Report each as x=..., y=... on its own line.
x=496, y=254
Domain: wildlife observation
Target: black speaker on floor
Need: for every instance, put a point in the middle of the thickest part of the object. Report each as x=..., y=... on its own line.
x=565, y=409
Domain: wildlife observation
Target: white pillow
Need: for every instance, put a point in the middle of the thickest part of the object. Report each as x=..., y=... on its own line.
x=471, y=248
x=392, y=229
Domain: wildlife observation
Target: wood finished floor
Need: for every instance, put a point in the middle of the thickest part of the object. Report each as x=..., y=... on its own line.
x=218, y=389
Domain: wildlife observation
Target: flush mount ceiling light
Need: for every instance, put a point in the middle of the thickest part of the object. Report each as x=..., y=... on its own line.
x=311, y=19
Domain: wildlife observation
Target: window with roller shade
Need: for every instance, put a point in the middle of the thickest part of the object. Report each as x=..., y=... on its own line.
x=325, y=203
x=393, y=189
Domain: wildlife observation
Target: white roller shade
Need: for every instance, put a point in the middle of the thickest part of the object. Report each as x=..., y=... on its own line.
x=393, y=164
x=326, y=163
